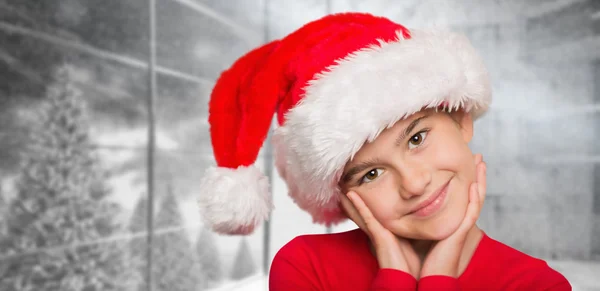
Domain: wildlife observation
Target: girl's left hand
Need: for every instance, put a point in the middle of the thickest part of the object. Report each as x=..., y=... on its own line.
x=443, y=258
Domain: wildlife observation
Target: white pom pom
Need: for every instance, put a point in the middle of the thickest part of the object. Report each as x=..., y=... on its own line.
x=234, y=201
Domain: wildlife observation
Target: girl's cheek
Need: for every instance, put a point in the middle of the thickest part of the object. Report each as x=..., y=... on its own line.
x=384, y=197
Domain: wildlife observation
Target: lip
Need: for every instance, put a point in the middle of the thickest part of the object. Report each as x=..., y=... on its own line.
x=428, y=206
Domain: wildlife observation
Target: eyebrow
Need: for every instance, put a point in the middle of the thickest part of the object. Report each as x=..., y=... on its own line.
x=358, y=168
x=349, y=175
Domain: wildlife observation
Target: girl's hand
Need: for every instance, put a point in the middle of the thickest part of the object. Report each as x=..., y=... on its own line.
x=444, y=256
x=392, y=252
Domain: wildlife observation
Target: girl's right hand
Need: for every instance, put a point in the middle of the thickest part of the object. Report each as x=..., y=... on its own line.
x=392, y=252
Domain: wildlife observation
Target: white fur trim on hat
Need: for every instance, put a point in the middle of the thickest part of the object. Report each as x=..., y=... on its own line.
x=234, y=201
x=353, y=101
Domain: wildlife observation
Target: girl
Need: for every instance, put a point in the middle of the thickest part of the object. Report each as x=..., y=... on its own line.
x=374, y=125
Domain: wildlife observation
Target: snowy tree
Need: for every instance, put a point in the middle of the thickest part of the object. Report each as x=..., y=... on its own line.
x=174, y=266
x=138, y=244
x=3, y=214
x=244, y=264
x=59, y=221
x=3, y=235
x=208, y=256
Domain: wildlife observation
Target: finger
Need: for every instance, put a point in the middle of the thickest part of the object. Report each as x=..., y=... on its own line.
x=481, y=182
x=478, y=158
x=360, y=206
x=473, y=210
x=351, y=211
x=475, y=205
x=364, y=212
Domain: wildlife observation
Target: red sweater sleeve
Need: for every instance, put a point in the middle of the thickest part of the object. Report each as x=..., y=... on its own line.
x=438, y=282
x=294, y=269
x=392, y=279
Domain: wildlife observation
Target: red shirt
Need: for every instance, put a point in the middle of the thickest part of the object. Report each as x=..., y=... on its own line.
x=342, y=261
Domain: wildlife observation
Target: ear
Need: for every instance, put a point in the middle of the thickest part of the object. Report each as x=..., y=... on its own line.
x=464, y=120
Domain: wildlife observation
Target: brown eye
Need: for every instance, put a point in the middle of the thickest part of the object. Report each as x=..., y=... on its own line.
x=371, y=175
x=417, y=139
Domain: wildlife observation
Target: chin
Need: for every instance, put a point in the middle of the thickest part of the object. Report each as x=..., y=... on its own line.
x=436, y=229
x=441, y=232
x=443, y=227
x=446, y=222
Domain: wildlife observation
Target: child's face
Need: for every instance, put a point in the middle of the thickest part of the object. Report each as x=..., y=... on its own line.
x=410, y=163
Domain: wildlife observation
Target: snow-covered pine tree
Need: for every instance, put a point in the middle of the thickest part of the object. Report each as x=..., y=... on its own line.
x=208, y=256
x=58, y=222
x=243, y=265
x=174, y=266
x=3, y=236
x=3, y=208
x=138, y=225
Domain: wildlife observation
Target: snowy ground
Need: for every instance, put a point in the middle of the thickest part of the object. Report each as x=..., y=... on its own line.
x=254, y=283
x=584, y=276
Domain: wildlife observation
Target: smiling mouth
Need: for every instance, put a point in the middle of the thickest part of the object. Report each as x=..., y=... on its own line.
x=432, y=204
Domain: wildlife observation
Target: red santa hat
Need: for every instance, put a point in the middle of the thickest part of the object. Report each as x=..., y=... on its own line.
x=335, y=84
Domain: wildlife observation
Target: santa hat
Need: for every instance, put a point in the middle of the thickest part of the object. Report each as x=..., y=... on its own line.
x=334, y=84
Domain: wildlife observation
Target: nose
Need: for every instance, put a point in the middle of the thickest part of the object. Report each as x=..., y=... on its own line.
x=414, y=179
